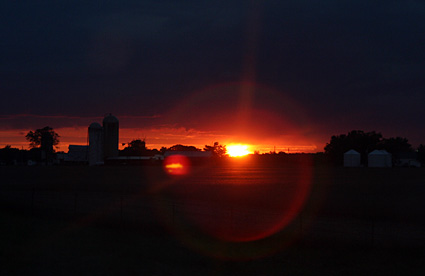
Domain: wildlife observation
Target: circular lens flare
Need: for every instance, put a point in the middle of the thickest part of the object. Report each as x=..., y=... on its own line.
x=221, y=218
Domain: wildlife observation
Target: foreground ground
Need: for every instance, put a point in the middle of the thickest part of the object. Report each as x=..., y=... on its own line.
x=132, y=220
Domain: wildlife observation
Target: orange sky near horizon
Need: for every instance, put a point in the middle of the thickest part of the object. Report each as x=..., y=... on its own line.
x=164, y=137
x=247, y=72
x=228, y=113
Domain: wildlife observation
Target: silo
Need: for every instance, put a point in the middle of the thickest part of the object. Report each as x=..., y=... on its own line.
x=110, y=136
x=95, y=144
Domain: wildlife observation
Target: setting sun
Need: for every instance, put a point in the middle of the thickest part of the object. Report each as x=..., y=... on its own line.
x=238, y=150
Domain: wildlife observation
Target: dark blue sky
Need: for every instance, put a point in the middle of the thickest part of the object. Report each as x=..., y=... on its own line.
x=333, y=66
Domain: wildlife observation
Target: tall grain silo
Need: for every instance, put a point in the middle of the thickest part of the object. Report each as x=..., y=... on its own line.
x=110, y=136
x=95, y=144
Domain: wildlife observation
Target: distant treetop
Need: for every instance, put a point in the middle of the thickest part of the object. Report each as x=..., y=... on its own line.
x=180, y=147
x=217, y=149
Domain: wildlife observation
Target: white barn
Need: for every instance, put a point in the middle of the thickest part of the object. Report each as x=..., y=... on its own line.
x=351, y=159
x=379, y=159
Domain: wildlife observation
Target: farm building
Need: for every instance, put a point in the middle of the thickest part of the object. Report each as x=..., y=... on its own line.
x=408, y=159
x=379, y=159
x=77, y=154
x=351, y=159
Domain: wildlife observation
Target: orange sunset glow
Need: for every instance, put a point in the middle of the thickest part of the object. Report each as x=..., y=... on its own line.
x=167, y=137
x=245, y=123
x=238, y=150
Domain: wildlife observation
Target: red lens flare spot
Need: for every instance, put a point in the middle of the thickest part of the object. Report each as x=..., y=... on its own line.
x=176, y=165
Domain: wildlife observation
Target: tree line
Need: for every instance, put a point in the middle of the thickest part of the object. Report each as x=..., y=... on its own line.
x=43, y=142
x=366, y=142
x=137, y=147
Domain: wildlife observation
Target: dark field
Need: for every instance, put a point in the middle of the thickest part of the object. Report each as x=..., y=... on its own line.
x=238, y=219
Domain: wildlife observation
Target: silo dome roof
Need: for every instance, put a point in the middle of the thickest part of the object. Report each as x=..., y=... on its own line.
x=110, y=119
x=95, y=126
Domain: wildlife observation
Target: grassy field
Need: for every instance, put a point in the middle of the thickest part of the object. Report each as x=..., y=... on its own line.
x=137, y=220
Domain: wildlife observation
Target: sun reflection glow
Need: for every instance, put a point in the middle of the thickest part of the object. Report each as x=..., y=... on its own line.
x=176, y=165
x=238, y=150
x=170, y=167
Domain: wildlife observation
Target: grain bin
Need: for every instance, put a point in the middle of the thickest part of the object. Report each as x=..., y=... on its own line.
x=351, y=159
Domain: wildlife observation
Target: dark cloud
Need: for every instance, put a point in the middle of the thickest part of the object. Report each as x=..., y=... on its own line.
x=349, y=64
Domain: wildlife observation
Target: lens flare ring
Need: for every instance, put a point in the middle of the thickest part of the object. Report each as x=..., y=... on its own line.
x=207, y=225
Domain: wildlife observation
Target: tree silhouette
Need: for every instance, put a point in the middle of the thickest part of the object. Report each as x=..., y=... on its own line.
x=163, y=150
x=8, y=155
x=137, y=144
x=217, y=149
x=45, y=139
x=136, y=147
x=180, y=147
x=421, y=153
x=396, y=145
x=363, y=142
